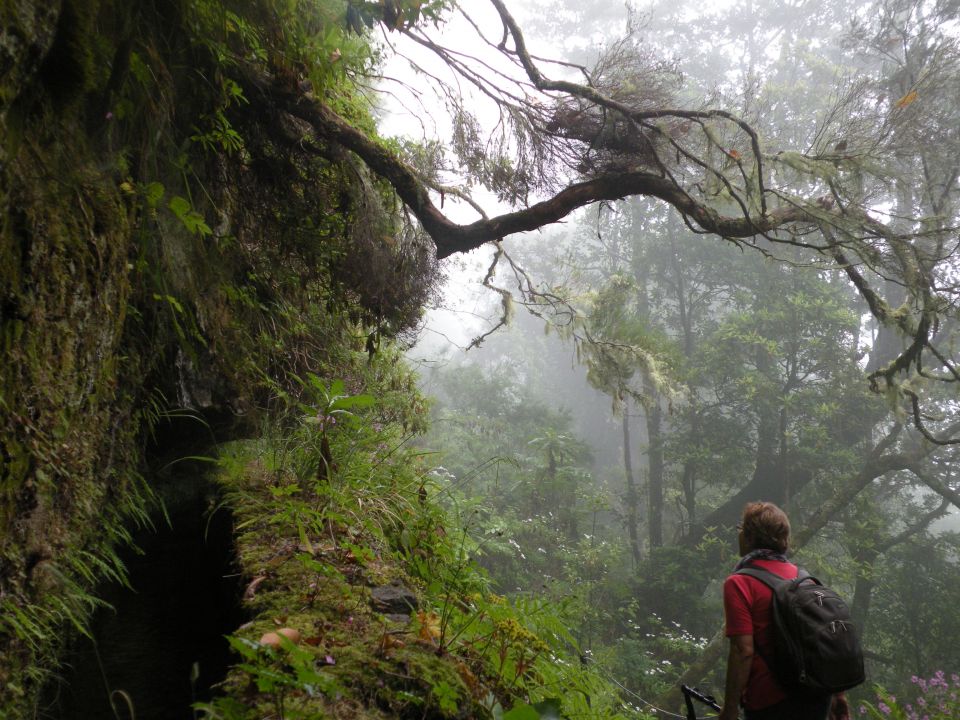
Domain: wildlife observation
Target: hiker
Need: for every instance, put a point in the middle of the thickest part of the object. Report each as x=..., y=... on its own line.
x=764, y=534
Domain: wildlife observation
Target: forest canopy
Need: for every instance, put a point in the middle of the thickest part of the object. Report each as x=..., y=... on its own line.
x=869, y=189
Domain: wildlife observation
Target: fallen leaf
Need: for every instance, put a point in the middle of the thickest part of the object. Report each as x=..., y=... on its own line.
x=429, y=626
x=389, y=641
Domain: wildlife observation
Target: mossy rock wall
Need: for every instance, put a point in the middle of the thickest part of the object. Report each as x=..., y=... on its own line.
x=27, y=32
x=143, y=268
x=65, y=421
x=65, y=290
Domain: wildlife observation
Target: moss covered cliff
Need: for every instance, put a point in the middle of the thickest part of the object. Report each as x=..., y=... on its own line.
x=166, y=242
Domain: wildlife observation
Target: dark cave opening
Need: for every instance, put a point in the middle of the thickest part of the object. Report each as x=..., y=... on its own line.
x=160, y=645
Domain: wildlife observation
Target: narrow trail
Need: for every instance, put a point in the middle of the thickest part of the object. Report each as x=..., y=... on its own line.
x=162, y=646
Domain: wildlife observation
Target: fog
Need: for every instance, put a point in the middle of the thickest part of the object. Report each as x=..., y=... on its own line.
x=648, y=379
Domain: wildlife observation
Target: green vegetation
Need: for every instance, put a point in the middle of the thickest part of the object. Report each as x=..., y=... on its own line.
x=172, y=253
x=932, y=698
x=200, y=219
x=338, y=503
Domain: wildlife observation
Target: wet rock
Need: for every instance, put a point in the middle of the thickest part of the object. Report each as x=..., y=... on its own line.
x=393, y=599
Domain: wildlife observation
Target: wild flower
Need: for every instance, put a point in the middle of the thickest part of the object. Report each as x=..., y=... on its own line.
x=936, y=698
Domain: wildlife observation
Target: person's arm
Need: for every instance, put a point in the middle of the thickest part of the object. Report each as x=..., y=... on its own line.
x=738, y=671
x=839, y=708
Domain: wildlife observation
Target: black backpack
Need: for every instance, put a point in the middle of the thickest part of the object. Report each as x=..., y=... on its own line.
x=816, y=646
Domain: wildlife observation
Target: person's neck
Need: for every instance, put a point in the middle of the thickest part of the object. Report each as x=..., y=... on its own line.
x=760, y=554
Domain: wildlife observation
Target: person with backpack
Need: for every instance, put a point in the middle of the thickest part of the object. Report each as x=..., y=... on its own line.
x=793, y=649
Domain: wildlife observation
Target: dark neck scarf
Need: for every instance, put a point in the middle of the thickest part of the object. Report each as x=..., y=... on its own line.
x=760, y=554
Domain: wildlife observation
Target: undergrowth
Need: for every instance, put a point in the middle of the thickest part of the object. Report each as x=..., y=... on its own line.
x=332, y=503
x=66, y=585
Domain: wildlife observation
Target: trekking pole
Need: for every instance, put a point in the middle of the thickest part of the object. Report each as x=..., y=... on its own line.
x=690, y=694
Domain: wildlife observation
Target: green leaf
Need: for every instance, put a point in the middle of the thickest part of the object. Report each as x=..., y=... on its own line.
x=153, y=193
x=446, y=697
x=352, y=401
x=245, y=648
x=179, y=206
x=522, y=712
x=549, y=709
x=171, y=300
x=191, y=219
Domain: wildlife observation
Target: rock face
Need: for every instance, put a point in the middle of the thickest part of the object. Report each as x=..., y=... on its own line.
x=163, y=250
x=26, y=34
x=66, y=422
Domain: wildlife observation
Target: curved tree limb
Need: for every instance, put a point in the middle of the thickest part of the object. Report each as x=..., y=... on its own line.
x=948, y=438
x=920, y=525
x=451, y=238
x=592, y=95
x=852, y=236
x=935, y=484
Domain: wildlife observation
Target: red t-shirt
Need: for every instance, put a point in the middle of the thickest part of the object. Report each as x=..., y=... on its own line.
x=746, y=609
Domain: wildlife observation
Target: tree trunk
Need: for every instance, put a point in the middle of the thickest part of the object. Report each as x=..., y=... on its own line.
x=632, y=498
x=862, y=595
x=655, y=469
x=770, y=479
x=890, y=341
x=688, y=478
x=783, y=449
x=688, y=481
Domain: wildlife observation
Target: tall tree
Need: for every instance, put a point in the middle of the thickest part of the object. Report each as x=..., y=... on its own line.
x=620, y=132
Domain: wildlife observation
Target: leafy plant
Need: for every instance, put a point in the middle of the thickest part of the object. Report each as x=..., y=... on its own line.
x=217, y=134
x=275, y=672
x=333, y=402
x=191, y=219
x=933, y=698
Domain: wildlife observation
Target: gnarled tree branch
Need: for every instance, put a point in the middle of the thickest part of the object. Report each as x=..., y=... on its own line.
x=451, y=237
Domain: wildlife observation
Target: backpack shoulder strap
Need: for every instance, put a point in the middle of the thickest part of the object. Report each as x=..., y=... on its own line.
x=772, y=580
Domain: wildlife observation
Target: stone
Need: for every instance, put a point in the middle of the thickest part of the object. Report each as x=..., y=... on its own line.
x=393, y=599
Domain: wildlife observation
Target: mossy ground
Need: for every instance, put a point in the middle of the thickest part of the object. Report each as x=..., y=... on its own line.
x=317, y=579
